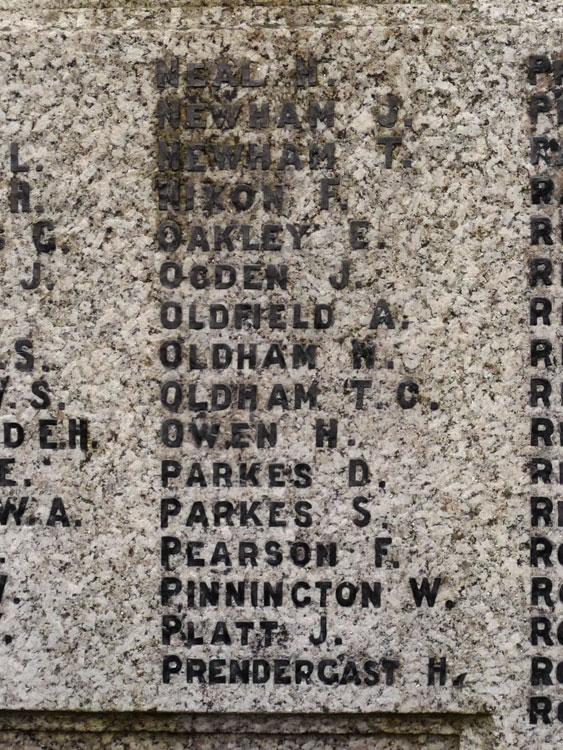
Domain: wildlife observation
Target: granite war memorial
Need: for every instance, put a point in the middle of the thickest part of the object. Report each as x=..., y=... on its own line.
x=280, y=375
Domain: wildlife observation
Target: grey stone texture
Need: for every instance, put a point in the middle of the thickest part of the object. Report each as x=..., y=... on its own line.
x=438, y=285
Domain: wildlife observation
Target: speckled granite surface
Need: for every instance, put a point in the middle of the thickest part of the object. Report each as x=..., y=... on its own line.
x=265, y=361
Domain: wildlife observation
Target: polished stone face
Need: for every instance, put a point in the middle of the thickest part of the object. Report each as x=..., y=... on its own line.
x=280, y=373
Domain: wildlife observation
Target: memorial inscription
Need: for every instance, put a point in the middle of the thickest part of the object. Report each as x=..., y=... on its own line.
x=231, y=235
x=267, y=275
x=545, y=75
